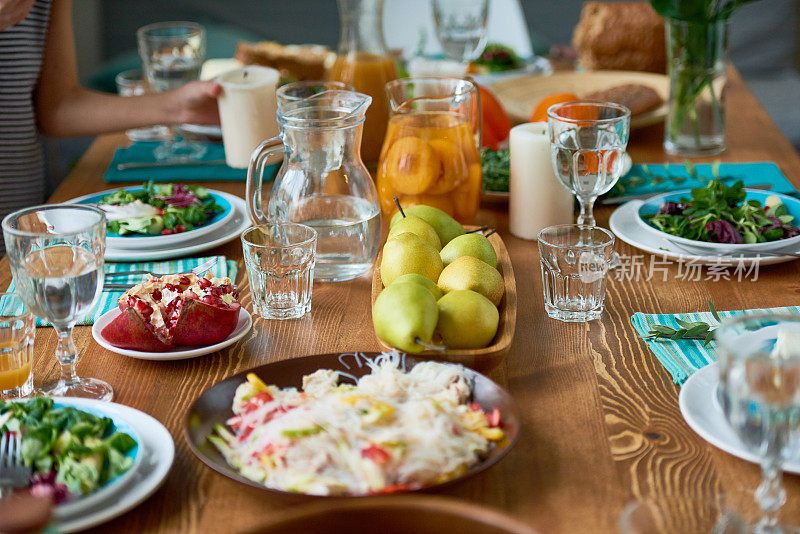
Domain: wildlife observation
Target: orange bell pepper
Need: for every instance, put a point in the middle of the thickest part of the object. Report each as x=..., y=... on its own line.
x=496, y=126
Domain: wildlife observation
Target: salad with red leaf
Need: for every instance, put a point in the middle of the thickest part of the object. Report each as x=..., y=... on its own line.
x=718, y=213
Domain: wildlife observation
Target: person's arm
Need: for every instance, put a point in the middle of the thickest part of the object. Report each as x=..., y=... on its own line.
x=12, y=12
x=64, y=108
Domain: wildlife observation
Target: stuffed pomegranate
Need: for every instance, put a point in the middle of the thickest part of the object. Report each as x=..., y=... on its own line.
x=176, y=309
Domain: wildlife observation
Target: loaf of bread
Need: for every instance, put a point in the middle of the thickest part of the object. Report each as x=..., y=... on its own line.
x=620, y=36
x=298, y=62
x=636, y=97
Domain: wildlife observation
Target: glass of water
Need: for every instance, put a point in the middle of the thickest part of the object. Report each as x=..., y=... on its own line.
x=587, y=141
x=172, y=55
x=575, y=260
x=56, y=257
x=280, y=259
x=132, y=83
x=17, y=334
x=461, y=27
x=759, y=381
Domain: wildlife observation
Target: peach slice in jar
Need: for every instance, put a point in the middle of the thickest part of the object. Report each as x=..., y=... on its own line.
x=412, y=165
x=453, y=167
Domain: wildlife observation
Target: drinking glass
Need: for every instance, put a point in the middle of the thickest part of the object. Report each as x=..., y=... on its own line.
x=292, y=92
x=759, y=380
x=132, y=83
x=587, y=141
x=56, y=257
x=172, y=55
x=17, y=333
x=575, y=260
x=280, y=259
x=461, y=27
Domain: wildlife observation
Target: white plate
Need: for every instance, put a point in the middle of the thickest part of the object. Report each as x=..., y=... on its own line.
x=625, y=224
x=230, y=231
x=179, y=353
x=703, y=413
x=146, y=479
x=147, y=242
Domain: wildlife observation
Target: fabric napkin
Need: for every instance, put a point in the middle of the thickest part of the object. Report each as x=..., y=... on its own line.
x=651, y=178
x=685, y=356
x=108, y=300
x=142, y=151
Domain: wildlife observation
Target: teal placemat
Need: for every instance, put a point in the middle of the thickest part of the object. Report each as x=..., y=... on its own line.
x=652, y=178
x=143, y=151
x=108, y=300
x=683, y=357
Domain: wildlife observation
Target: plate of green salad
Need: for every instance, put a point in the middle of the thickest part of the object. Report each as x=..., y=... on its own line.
x=77, y=455
x=153, y=215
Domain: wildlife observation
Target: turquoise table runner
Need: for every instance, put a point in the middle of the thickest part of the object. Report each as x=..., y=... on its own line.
x=652, y=178
x=108, y=300
x=683, y=357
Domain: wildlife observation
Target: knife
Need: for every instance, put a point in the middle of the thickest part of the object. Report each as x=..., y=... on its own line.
x=645, y=196
x=152, y=164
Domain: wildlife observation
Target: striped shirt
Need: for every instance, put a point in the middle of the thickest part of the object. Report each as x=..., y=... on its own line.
x=21, y=166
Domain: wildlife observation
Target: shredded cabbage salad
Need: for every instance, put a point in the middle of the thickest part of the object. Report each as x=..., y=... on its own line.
x=391, y=431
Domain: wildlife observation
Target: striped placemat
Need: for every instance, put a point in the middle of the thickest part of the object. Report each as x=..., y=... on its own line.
x=683, y=357
x=108, y=300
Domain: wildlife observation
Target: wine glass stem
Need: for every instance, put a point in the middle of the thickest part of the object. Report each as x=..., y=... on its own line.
x=770, y=494
x=586, y=216
x=67, y=355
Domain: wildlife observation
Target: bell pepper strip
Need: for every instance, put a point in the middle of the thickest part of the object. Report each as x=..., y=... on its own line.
x=377, y=454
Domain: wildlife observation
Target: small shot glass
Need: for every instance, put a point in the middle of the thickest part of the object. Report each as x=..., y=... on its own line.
x=292, y=92
x=575, y=260
x=17, y=334
x=280, y=258
x=132, y=83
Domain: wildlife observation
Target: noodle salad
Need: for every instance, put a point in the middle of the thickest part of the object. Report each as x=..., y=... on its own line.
x=390, y=431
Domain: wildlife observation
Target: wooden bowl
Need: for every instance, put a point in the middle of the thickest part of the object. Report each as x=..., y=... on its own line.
x=489, y=357
x=395, y=515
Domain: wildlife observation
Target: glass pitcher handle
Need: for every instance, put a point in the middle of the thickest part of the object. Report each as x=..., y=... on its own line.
x=255, y=176
x=479, y=114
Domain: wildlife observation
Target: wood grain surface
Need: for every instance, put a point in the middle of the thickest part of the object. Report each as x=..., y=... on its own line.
x=601, y=424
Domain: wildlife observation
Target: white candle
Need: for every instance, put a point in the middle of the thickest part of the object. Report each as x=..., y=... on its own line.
x=536, y=197
x=247, y=111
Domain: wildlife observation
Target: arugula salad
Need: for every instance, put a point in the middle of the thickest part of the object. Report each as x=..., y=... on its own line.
x=496, y=165
x=719, y=213
x=158, y=209
x=71, y=452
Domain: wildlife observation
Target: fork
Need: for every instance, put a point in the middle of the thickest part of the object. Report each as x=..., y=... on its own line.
x=13, y=473
x=202, y=268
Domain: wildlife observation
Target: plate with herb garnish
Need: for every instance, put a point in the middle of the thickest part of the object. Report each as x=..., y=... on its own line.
x=159, y=214
x=724, y=219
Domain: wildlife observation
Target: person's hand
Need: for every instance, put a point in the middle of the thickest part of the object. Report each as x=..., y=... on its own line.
x=13, y=12
x=196, y=103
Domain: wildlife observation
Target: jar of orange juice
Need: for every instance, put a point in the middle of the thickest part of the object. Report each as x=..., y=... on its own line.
x=430, y=154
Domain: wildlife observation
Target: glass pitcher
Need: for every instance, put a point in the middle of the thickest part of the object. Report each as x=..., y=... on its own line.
x=322, y=183
x=430, y=154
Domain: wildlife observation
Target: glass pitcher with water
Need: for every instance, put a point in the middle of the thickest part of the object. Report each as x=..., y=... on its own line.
x=322, y=183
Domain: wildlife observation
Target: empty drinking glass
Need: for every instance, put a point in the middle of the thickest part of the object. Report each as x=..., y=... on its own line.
x=759, y=380
x=280, y=259
x=575, y=260
x=172, y=55
x=587, y=141
x=56, y=256
x=132, y=83
x=461, y=27
x=17, y=333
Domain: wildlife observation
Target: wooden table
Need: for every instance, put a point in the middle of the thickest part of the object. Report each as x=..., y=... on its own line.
x=601, y=424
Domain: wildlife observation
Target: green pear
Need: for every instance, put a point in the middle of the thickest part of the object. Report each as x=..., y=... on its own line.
x=476, y=275
x=414, y=278
x=475, y=245
x=415, y=225
x=409, y=253
x=404, y=313
x=467, y=320
x=445, y=226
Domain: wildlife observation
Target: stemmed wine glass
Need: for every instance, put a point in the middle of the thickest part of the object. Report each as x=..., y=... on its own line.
x=56, y=257
x=759, y=380
x=587, y=142
x=461, y=27
x=172, y=55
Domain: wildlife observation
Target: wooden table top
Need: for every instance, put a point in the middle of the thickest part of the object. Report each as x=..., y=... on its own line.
x=601, y=424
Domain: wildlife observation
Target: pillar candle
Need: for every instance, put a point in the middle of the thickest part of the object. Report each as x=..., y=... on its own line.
x=247, y=111
x=536, y=197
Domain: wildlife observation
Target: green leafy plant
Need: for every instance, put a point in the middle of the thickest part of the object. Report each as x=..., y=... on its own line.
x=496, y=169
x=688, y=330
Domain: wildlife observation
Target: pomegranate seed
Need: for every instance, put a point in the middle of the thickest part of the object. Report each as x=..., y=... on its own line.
x=180, y=228
x=170, y=287
x=166, y=231
x=227, y=288
x=184, y=281
x=159, y=211
x=209, y=299
x=203, y=282
x=216, y=291
x=144, y=308
x=157, y=295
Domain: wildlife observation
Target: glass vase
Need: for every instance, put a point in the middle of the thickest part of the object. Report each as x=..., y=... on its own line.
x=697, y=58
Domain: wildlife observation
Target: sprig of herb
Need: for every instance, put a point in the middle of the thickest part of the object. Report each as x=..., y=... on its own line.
x=648, y=177
x=496, y=169
x=687, y=330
